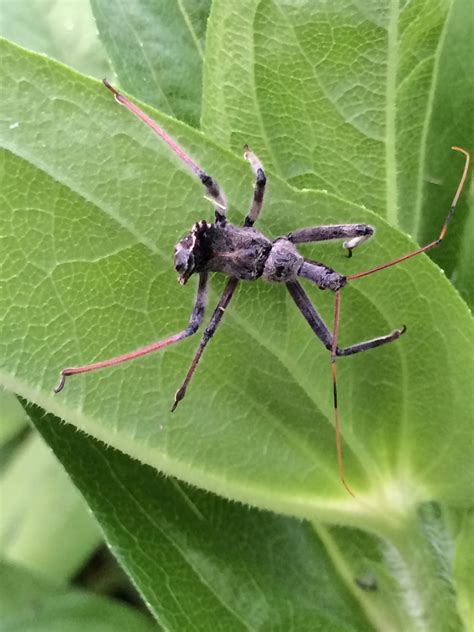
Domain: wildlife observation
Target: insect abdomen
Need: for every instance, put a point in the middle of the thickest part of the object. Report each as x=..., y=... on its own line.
x=283, y=262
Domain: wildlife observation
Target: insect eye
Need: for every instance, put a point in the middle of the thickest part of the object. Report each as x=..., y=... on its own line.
x=184, y=261
x=190, y=264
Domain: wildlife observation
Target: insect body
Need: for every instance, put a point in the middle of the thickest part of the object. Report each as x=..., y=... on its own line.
x=245, y=254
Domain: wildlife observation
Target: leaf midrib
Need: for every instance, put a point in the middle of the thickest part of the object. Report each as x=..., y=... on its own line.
x=189, y=26
x=426, y=126
x=390, y=115
x=147, y=61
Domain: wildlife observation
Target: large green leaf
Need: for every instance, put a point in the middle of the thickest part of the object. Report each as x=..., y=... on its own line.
x=157, y=50
x=29, y=603
x=360, y=99
x=93, y=204
x=203, y=563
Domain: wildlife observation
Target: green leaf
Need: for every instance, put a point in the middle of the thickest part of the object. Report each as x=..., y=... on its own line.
x=94, y=204
x=324, y=94
x=361, y=100
x=31, y=604
x=201, y=562
x=45, y=525
x=52, y=28
x=157, y=50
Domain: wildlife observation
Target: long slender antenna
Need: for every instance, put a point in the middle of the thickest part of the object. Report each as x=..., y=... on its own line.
x=337, y=312
x=434, y=243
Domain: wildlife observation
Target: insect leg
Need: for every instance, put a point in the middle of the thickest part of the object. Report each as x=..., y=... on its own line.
x=208, y=333
x=434, y=243
x=372, y=343
x=323, y=332
x=259, y=190
x=354, y=234
x=308, y=310
x=213, y=192
x=193, y=325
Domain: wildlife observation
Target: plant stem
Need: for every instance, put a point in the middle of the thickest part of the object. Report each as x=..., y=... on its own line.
x=411, y=562
x=420, y=557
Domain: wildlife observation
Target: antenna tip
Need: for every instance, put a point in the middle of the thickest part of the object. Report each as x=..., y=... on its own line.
x=463, y=151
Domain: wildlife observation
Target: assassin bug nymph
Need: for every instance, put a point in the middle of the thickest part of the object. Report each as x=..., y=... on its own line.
x=243, y=253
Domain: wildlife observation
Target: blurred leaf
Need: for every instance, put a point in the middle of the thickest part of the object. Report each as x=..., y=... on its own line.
x=452, y=123
x=464, y=567
x=45, y=525
x=87, y=240
x=157, y=50
x=62, y=29
x=193, y=554
x=12, y=417
x=31, y=604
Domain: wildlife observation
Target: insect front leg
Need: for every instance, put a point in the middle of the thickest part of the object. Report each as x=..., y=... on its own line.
x=193, y=325
x=354, y=234
x=210, y=330
x=213, y=192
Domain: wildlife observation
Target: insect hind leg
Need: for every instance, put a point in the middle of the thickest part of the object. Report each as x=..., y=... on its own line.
x=323, y=332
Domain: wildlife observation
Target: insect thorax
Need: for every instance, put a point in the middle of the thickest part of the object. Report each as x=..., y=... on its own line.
x=240, y=253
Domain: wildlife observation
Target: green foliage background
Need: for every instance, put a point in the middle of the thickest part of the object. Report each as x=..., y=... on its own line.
x=353, y=109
